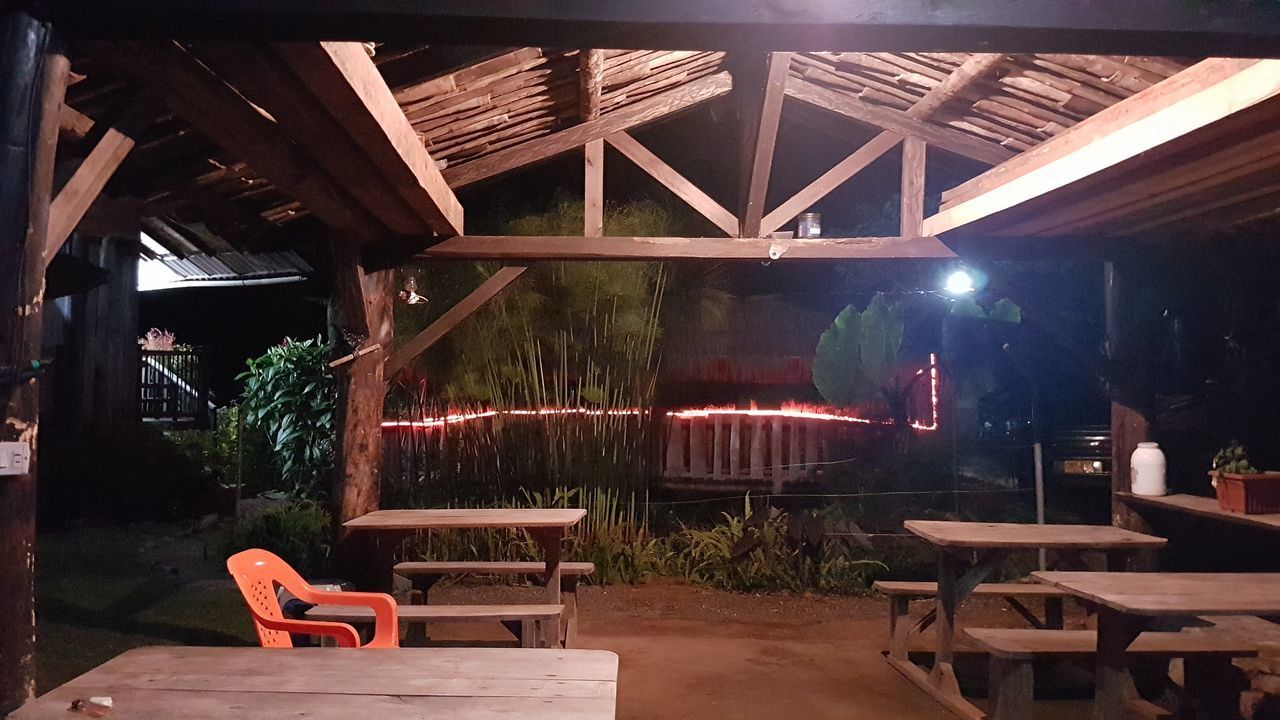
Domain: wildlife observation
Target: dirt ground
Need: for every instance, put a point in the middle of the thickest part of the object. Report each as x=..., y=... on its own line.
x=690, y=652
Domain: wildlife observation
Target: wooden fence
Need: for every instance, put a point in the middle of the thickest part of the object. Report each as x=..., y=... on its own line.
x=736, y=451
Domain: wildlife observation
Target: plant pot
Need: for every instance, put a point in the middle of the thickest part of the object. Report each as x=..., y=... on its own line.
x=1253, y=494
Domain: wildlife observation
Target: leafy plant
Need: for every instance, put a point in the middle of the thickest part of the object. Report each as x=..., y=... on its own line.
x=298, y=532
x=1233, y=459
x=770, y=550
x=291, y=397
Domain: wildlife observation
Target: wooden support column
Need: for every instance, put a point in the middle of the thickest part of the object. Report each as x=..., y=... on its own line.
x=913, y=176
x=1131, y=394
x=593, y=190
x=360, y=307
x=31, y=93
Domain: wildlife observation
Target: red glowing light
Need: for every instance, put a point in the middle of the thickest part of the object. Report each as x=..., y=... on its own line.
x=788, y=410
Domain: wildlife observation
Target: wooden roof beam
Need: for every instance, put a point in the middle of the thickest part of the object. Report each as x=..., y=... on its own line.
x=761, y=139
x=114, y=139
x=465, y=308
x=969, y=72
x=194, y=92
x=1196, y=98
x=343, y=77
x=538, y=149
x=330, y=99
x=530, y=248
x=900, y=122
x=1243, y=29
x=672, y=180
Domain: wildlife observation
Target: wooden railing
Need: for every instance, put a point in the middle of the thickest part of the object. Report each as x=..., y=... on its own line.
x=736, y=451
x=174, y=386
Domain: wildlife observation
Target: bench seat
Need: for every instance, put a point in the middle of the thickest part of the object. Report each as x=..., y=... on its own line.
x=408, y=569
x=529, y=617
x=901, y=592
x=423, y=575
x=1022, y=644
x=930, y=589
x=1207, y=655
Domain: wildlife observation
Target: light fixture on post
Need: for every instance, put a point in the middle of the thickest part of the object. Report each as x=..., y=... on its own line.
x=410, y=293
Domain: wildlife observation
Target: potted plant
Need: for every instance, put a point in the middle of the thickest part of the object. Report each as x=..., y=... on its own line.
x=1242, y=488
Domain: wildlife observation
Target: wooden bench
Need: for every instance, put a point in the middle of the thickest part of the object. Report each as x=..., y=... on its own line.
x=524, y=621
x=1207, y=654
x=424, y=575
x=900, y=594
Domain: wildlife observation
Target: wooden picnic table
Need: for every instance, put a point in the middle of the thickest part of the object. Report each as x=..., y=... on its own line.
x=205, y=683
x=1128, y=603
x=989, y=544
x=546, y=526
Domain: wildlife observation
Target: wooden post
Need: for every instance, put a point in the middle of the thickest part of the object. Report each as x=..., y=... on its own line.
x=593, y=191
x=360, y=307
x=31, y=92
x=913, y=176
x=1131, y=395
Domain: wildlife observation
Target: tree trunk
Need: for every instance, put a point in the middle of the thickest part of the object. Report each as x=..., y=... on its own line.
x=31, y=90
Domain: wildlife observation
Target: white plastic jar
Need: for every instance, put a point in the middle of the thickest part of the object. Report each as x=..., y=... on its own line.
x=1147, y=470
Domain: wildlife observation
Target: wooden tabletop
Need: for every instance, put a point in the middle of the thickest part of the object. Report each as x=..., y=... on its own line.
x=435, y=519
x=186, y=683
x=1014, y=535
x=1173, y=593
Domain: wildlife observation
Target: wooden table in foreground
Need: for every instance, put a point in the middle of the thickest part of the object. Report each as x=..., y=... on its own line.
x=546, y=526
x=189, y=683
x=991, y=543
x=1128, y=602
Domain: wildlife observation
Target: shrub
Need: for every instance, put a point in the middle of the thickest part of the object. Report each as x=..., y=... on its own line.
x=769, y=550
x=297, y=532
x=220, y=453
x=292, y=398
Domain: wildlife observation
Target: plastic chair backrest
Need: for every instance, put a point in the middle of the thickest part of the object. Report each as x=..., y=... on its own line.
x=257, y=573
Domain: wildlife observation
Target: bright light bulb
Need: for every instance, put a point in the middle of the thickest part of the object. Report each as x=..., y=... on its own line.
x=959, y=283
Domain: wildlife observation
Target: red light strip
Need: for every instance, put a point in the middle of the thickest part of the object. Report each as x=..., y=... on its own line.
x=806, y=412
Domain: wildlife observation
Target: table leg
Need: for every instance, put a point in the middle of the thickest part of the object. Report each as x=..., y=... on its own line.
x=1116, y=631
x=943, y=675
x=549, y=539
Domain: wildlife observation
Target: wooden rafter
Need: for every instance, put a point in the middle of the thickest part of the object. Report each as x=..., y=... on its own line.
x=1244, y=29
x=331, y=101
x=969, y=72
x=343, y=77
x=192, y=91
x=529, y=248
x=1207, y=93
x=451, y=318
x=761, y=140
x=539, y=149
x=900, y=122
x=114, y=140
x=675, y=182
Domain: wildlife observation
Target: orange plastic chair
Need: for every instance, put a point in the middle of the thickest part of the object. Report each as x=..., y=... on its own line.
x=258, y=572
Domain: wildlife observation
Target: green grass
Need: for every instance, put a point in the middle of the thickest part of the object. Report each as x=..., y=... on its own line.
x=102, y=591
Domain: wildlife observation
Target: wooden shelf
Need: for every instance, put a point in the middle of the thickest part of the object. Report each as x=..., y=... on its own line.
x=1203, y=507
